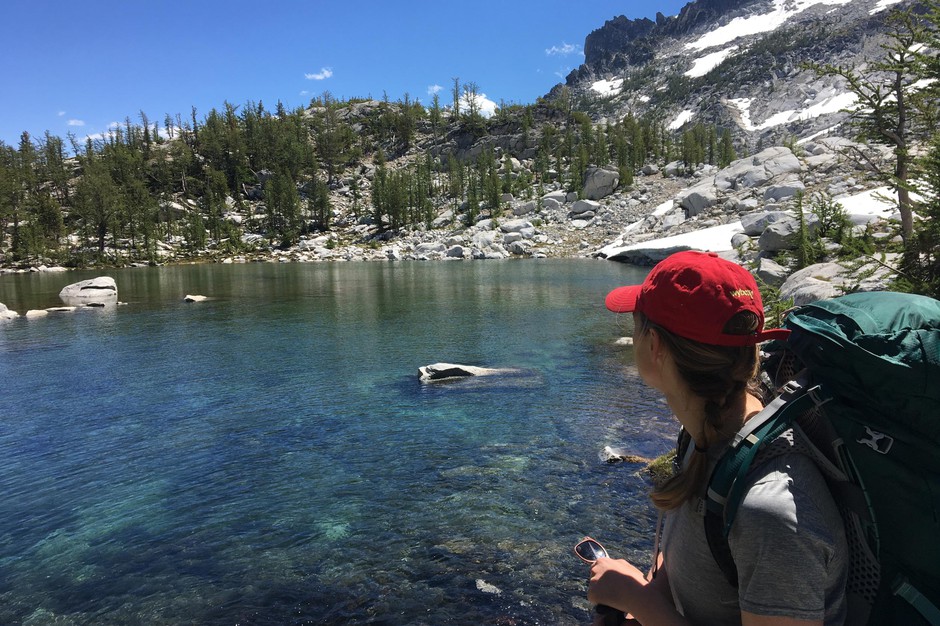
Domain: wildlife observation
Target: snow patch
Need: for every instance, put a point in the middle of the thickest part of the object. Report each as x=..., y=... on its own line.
x=882, y=5
x=829, y=104
x=607, y=87
x=703, y=65
x=878, y=202
x=664, y=208
x=714, y=239
x=681, y=119
x=752, y=25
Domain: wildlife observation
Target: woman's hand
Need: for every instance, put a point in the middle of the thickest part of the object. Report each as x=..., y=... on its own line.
x=616, y=583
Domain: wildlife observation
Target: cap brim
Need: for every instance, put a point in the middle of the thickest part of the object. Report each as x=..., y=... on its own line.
x=623, y=299
x=773, y=334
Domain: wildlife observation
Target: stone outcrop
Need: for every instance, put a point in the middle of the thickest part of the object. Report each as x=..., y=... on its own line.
x=7, y=314
x=445, y=371
x=828, y=280
x=600, y=182
x=101, y=290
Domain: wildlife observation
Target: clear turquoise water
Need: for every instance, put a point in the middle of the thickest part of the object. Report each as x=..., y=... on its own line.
x=269, y=457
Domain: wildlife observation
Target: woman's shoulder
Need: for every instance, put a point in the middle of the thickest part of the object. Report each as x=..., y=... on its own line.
x=789, y=486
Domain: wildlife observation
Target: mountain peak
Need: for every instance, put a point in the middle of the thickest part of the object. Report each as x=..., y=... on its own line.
x=700, y=66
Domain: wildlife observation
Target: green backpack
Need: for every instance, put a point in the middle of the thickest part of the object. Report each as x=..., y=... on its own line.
x=866, y=407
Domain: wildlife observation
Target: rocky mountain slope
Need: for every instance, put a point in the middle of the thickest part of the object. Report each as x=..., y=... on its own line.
x=732, y=63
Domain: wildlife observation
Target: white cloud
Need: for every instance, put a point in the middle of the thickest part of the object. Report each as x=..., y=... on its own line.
x=485, y=106
x=433, y=89
x=60, y=113
x=563, y=50
x=76, y=122
x=324, y=73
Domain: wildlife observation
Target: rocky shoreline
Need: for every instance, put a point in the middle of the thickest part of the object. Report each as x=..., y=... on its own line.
x=743, y=211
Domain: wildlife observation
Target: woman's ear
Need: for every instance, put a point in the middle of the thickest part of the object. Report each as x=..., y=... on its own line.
x=657, y=346
x=655, y=341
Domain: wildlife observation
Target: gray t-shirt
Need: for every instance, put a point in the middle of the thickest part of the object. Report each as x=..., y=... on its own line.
x=788, y=543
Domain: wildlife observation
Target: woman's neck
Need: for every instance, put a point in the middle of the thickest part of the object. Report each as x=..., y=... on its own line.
x=689, y=409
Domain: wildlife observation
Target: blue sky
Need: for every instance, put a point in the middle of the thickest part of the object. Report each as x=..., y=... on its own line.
x=78, y=67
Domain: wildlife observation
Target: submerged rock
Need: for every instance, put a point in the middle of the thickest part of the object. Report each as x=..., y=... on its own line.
x=442, y=371
x=620, y=455
x=486, y=587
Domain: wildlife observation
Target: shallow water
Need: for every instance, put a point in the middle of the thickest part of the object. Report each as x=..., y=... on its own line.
x=269, y=457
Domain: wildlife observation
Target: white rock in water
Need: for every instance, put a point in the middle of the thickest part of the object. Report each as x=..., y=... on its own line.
x=7, y=314
x=440, y=371
x=97, y=290
x=189, y=298
x=486, y=587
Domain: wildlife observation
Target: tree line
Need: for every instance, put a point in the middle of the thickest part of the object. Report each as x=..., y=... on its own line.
x=75, y=202
x=203, y=183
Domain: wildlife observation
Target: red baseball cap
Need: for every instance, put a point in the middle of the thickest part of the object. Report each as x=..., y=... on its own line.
x=694, y=294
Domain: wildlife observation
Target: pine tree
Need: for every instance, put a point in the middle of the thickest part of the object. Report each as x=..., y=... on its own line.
x=96, y=201
x=726, y=153
x=473, y=118
x=921, y=260
x=380, y=190
x=455, y=92
x=884, y=111
x=435, y=114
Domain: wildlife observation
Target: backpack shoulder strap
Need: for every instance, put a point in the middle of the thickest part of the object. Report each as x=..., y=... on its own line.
x=728, y=479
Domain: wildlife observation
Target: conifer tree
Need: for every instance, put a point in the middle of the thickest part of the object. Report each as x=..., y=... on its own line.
x=54, y=168
x=435, y=114
x=8, y=186
x=726, y=153
x=283, y=203
x=473, y=118
x=455, y=93
x=379, y=190
x=921, y=261
x=96, y=201
x=25, y=193
x=884, y=111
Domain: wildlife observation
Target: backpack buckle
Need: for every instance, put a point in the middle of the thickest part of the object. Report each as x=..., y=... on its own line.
x=817, y=396
x=879, y=442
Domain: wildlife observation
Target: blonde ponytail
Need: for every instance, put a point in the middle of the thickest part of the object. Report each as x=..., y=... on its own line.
x=718, y=374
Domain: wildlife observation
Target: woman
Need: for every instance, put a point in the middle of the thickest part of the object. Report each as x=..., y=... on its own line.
x=697, y=322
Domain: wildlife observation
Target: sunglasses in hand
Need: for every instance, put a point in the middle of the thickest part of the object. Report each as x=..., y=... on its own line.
x=589, y=550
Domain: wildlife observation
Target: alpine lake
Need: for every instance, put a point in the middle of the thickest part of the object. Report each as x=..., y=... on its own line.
x=269, y=455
